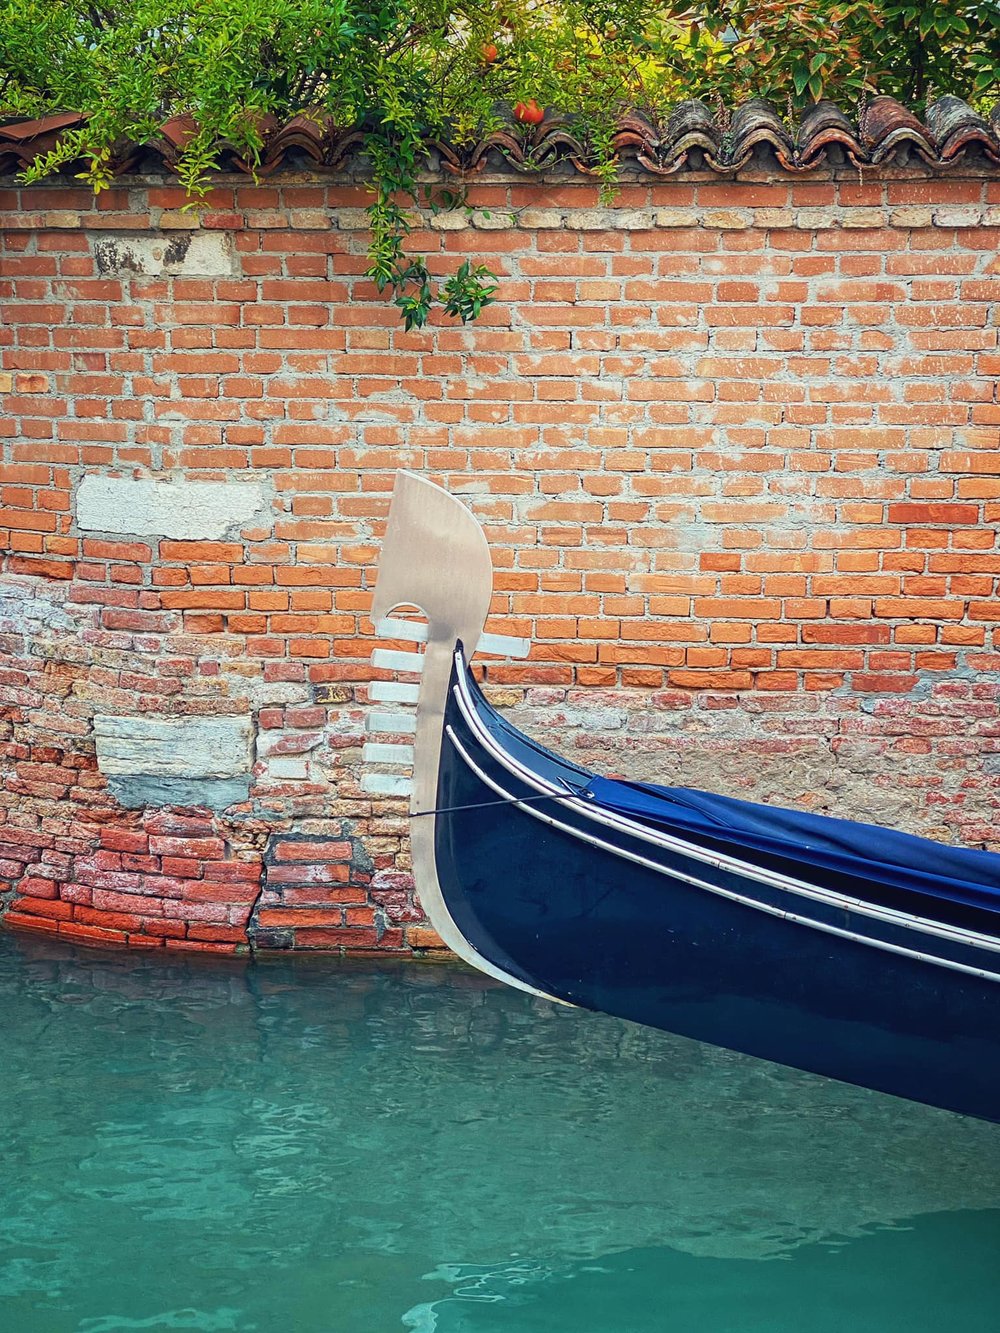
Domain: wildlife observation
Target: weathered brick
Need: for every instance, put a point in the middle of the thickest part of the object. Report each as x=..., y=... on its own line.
x=422, y=937
x=92, y=935
x=15, y=920
x=197, y=946
x=202, y=849
x=320, y=850
x=342, y=937
x=88, y=916
x=305, y=874
x=207, y=890
x=124, y=840
x=32, y=906
x=30, y=887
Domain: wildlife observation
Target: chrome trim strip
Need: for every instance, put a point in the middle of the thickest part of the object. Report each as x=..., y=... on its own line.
x=711, y=888
x=746, y=869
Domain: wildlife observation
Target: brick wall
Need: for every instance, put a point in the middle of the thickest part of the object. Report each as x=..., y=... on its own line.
x=736, y=445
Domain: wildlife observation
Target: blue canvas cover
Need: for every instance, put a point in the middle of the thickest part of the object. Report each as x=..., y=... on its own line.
x=839, y=846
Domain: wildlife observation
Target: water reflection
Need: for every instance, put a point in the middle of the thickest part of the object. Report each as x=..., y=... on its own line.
x=298, y=1144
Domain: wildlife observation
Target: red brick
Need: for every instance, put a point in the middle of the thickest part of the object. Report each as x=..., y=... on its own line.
x=161, y=928
x=247, y=872
x=218, y=934
x=124, y=840
x=106, y=901
x=195, y=552
x=308, y=874
x=950, y=514
x=917, y=608
x=14, y=920
x=37, y=888
x=55, y=909
x=202, y=849
x=199, y=946
x=46, y=569
x=163, y=886
x=117, y=881
x=883, y=683
x=183, y=867
x=300, y=916
x=219, y=891
x=317, y=897
x=93, y=935
x=105, y=550
x=88, y=916
x=422, y=937
x=320, y=850
x=343, y=937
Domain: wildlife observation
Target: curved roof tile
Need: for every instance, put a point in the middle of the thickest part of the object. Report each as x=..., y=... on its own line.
x=956, y=127
x=822, y=127
x=886, y=127
x=692, y=135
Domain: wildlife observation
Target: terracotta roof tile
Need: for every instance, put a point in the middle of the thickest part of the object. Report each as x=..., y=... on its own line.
x=756, y=124
x=822, y=127
x=27, y=131
x=693, y=135
x=22, y=141
x=956, y=127
x=886, y=126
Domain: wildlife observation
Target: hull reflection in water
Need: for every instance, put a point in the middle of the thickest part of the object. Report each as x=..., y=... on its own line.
x=296, y=1145
x=841, y=948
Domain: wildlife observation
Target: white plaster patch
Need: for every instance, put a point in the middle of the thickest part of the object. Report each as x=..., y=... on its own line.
x=198, y=510
x=261, y=693
x=288, y=768
x=29, y=610
x=173, y=747
x=184, y=254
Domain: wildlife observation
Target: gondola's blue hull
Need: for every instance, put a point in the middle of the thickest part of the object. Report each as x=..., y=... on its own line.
x=589, y=912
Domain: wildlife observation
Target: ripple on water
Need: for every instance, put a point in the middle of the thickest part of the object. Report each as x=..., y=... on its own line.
x=316, y=1145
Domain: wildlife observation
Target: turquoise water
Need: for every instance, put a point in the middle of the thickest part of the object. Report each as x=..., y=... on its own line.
x=306, y=1146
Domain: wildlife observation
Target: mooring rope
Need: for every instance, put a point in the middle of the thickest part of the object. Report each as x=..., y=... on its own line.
x=507, y=800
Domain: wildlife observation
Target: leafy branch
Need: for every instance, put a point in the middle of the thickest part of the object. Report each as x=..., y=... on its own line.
x=406, y=72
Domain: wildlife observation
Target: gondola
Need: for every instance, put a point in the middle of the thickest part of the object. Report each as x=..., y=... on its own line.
x=841, y=948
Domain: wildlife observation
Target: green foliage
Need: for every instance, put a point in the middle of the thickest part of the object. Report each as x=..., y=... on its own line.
x=909, y=49
x=408, y=72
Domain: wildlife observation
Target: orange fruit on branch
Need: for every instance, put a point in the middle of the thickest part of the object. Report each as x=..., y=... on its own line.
x=529, y=113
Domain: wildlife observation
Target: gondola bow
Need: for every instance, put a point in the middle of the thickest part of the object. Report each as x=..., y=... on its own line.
x=842, y=948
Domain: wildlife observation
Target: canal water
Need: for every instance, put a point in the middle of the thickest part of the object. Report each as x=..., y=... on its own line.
x=312, y=1146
